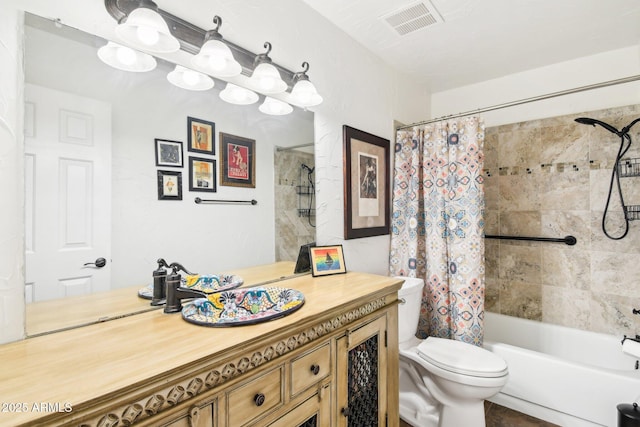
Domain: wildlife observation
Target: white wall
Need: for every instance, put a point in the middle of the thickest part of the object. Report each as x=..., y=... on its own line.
x=607, y=66
x=358, y=89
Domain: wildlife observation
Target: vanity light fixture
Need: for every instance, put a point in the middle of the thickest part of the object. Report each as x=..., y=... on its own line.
x=266, y=77
x=275, y=107
x=215, y=57
x=143, y=28
x=126, y=59
x=189, y=79
x=304, y=93
x=234, y=94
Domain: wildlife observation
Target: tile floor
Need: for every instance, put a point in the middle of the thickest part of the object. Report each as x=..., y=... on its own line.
x=499, y=416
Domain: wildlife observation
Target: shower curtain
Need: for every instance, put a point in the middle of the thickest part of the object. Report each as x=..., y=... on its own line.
x=437, y=224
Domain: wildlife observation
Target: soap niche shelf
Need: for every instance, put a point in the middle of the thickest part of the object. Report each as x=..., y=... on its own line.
x=628, y=168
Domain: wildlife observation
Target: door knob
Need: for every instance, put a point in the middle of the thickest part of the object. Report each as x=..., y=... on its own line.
x=99, y=263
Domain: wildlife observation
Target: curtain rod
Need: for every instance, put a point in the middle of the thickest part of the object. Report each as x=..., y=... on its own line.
x=527, y=100
x=293, y=147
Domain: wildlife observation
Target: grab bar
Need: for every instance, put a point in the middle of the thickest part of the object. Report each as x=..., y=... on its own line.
x=569, y=240
x=198, y=201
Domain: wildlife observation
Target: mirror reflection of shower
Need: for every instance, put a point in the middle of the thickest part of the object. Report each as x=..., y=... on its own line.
x=294, y=200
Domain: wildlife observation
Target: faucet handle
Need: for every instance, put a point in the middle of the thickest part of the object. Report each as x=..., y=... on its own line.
x=178, y=267
x=162, y=263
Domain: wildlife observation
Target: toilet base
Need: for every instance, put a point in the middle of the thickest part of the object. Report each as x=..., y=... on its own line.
x=468, y=415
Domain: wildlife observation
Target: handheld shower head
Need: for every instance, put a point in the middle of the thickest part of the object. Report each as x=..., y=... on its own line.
x=593, y=122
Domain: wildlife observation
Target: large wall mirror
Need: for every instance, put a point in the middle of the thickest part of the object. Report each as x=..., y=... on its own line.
x=91, y=177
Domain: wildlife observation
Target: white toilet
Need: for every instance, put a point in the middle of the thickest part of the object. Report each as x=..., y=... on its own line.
x=442, y=382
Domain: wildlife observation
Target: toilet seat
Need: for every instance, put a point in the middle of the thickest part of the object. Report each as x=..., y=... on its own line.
x=461, y=358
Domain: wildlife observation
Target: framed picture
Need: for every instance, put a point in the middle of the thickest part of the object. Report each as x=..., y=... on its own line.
x=202, y=174
x=168, y=153
x=327, y=260
x=366, y=184
x=238, y=161
x=169, y=185
x=201, y=136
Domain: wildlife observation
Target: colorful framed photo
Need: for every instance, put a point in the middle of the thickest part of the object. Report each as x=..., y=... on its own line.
x=366, y=184
x=238, y=161
x=202, y=174
x=168, y=153
x=201, y=136
x=327, y=260
x=169, y=185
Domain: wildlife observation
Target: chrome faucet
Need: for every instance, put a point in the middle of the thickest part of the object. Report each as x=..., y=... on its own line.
x=175, y=292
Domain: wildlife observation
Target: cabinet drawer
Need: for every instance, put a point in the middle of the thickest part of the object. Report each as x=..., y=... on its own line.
x=310, y=368
x=254, y=398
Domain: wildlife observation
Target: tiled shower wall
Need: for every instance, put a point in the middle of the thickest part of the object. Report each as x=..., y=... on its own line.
x=550, y=178
x=292, y=230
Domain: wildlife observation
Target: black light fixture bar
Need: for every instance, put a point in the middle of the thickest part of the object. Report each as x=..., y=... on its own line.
x=191, y=37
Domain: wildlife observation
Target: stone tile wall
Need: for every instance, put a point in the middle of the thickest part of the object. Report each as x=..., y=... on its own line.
x=292, y=230
x=550, y=178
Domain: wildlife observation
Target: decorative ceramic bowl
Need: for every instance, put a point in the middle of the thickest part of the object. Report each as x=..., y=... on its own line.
x=208, y=283
x=243, y=306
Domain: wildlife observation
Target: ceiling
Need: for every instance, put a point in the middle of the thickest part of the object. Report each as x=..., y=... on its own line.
x=482, y=40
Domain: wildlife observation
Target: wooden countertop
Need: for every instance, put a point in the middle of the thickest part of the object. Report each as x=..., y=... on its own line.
x=58, y=314
x=80, y=367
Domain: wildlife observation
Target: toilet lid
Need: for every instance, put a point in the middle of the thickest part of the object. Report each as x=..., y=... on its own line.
x=461, y=358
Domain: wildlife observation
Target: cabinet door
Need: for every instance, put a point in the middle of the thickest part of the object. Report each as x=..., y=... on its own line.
x=361, y=376
x=313, y=412
x=198, y=416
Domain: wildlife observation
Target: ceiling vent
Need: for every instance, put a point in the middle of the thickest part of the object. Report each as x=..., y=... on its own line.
x=413, y=17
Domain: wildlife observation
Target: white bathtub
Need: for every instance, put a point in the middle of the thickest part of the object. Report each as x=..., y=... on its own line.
x=565, y=376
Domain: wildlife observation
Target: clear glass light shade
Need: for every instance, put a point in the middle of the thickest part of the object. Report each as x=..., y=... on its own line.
x=216, y=58
x=238, y=95
x=266, y=79
x=145, y=29
x=189, y=79
x=126, y=59
x=304, y=94
x=275, y=107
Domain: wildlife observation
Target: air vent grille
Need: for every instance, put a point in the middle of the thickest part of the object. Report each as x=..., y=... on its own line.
x=413, y=17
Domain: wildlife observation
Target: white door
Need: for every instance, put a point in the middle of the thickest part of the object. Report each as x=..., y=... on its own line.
x=68, y=194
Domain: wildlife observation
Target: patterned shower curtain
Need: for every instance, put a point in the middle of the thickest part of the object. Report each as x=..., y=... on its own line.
x=437, y=224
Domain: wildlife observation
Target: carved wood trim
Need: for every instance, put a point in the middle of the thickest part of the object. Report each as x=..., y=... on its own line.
x=129, y=413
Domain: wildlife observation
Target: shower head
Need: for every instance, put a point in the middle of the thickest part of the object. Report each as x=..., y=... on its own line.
x=593, y=122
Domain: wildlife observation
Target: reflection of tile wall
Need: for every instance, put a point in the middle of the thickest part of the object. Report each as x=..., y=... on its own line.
x=550, y=178
x=292, y=231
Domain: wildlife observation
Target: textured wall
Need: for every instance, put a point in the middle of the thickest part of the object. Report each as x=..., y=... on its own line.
x=550, y=178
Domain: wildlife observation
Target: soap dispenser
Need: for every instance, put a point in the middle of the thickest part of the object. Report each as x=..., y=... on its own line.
x=160, y=283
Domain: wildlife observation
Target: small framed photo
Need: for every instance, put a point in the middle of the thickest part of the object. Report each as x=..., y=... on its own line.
x=327, y=260
x=238, y=161
x=202, y=174
x=169, y=185
x=168, y=153
x=201, y=136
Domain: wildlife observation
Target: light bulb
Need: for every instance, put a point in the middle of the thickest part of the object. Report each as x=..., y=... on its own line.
x=147, y=35
x=217, y=63
x=126, y=55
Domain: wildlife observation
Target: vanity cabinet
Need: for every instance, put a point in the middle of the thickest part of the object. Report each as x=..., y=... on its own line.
x=334, y=362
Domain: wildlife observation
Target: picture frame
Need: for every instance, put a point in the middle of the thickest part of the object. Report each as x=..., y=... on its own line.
x=237, y=161
x=366, y=184
x=169, y=185
x=168, y=153
x=201, y=136
x=326, y=260
x=202, y=174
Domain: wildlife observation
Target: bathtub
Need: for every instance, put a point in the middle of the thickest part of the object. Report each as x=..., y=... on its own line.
x=565, y=376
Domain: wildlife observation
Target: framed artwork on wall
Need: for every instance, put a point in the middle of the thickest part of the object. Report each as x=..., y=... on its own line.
x=168, y=153
x=366, y=184
x=237, y=161
x=327, y=260
x=201, y=136
x=169, y=185
x=202, y=174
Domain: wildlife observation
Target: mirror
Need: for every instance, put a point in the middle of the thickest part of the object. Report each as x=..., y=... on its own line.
x=85, y=120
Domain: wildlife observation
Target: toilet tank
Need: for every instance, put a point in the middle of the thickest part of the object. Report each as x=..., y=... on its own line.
x=410, y=296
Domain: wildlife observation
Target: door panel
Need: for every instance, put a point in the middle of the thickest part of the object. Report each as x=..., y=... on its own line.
x=68, y=194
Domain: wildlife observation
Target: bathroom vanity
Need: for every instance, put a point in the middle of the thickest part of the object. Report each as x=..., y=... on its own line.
x=332, y=361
